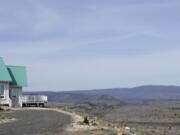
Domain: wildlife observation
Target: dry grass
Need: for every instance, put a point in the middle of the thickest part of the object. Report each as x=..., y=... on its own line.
x=163, y=119
x=148, y=120
x=4, y=119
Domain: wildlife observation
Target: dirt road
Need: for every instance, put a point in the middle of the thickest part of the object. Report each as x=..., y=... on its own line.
x=50, y=121
x=35, y=122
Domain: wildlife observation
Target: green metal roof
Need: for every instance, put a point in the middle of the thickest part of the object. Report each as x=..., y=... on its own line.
x=18, y=75
x=4, y=74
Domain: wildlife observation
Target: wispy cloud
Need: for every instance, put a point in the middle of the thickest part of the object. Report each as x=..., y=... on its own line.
x=92, y=41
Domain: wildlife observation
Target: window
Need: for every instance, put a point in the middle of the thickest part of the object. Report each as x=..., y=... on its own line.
x=1, y=91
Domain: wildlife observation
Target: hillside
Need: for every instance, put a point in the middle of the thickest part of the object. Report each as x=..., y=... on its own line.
x=142, y=95
x=79, y=98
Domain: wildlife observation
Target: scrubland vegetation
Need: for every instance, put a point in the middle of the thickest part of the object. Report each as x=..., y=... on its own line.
x=160, y=119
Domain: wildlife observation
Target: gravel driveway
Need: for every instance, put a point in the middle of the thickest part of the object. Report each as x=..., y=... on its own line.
x=35, y=122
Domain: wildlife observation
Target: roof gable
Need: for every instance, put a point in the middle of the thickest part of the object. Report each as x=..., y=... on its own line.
x=4, y=74
x=18, y=75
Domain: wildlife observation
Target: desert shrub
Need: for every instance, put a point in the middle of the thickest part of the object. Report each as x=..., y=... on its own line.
x=1, y=109
x=86, y=121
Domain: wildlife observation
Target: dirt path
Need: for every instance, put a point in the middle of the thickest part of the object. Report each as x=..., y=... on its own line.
x=35, y=122
x=76, y=120
x=70, y=122
x=77, y=125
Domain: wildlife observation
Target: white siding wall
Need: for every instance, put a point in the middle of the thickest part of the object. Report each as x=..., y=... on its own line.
x=6, y=100
x=16, y=96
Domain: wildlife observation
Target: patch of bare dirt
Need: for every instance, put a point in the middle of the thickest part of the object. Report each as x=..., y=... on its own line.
x=6, y=120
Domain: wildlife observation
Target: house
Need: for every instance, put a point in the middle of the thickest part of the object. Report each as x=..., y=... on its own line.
x=12, y=81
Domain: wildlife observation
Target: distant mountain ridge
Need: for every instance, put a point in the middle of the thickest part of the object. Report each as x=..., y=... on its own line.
x=136, y=94
x=148, y=93
x=141, y=92
x=98, y=99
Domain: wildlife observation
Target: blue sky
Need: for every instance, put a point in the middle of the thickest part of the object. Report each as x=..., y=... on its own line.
x=89, y=44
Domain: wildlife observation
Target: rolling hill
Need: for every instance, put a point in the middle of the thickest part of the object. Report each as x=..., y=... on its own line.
x=136, y=95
